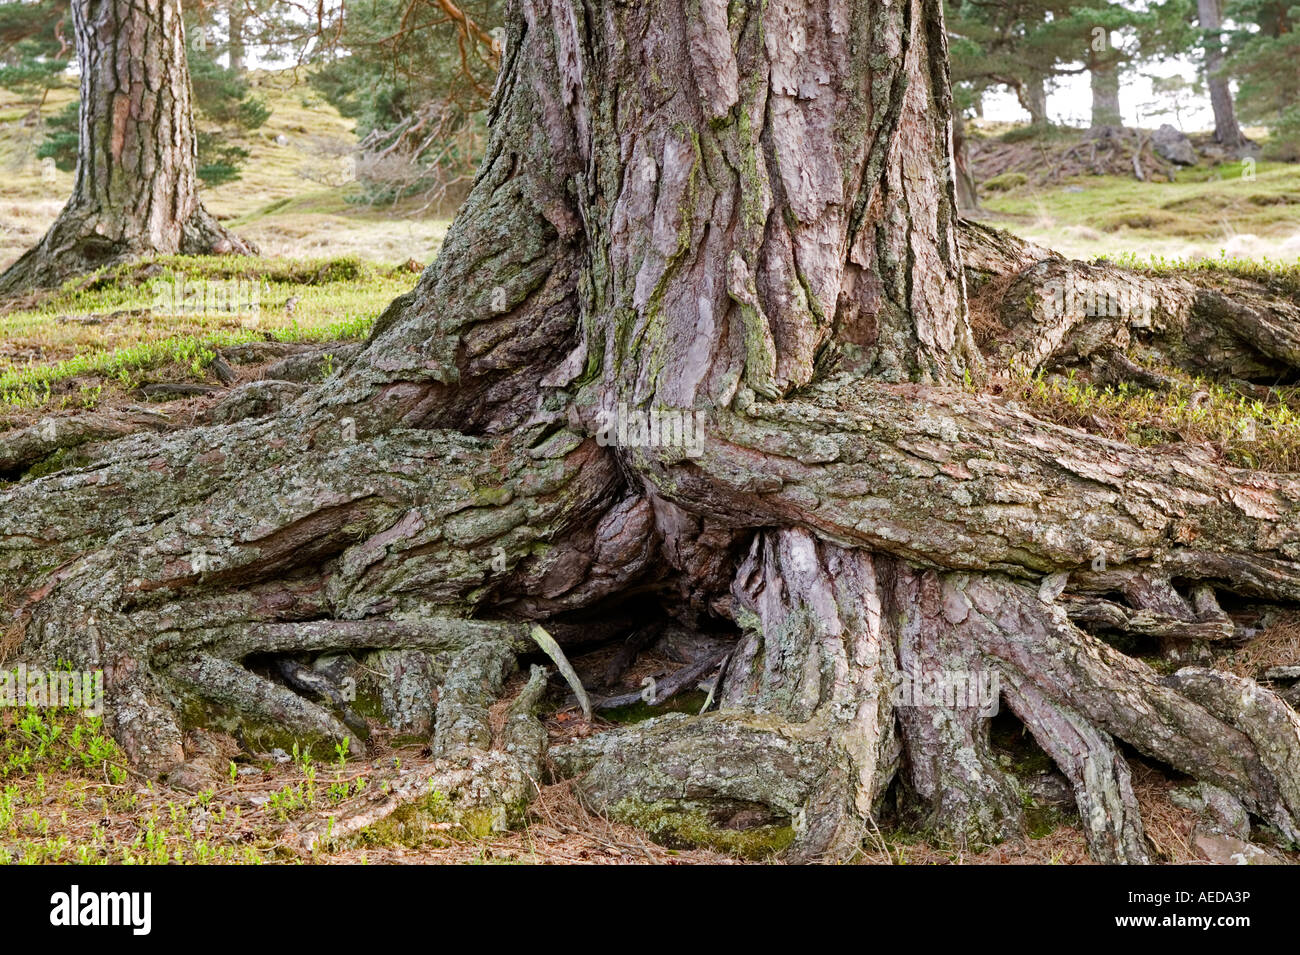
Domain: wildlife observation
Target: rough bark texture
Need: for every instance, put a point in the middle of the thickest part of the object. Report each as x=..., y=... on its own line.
x=743, y=214
x=136, y=191
x=1210, y=324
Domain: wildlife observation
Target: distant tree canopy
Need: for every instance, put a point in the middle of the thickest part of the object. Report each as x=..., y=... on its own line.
x=416, y=75
x=1174, y=95
x=35, y=46
x=222, y=97
x=1024, y=45
x=1264, y=52
x=1002, y=44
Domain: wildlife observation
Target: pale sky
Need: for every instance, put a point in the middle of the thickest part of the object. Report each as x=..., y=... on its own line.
x=1071, y=102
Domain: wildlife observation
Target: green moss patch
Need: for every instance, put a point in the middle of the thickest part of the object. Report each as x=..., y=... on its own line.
x=683, y=824
x=640, y=711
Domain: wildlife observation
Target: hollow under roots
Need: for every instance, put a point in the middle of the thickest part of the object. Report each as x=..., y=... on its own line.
x=856, y=668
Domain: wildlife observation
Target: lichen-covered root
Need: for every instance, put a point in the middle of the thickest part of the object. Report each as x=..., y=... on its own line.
x=476, y=784
x=228, y=684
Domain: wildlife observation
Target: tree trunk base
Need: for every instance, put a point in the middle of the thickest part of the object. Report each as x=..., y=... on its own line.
x=767, y=303
x=77, y=244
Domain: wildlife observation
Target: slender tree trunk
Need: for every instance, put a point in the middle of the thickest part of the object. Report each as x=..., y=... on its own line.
x=235, y=17
x=136, y=191
x=1226, y=130
x=967, y=196
x=1105, y=95
x=1032, y=94
x=700, y=334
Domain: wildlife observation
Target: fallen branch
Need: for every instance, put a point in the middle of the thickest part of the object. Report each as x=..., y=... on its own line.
x=552, y=650
x=668, y=687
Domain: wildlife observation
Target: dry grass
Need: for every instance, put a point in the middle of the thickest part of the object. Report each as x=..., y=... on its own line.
x=1168, y=827
x=1064, y=845
x=1241, y=431
x=371, y=235
x=1276, y=645
x=12, y=636
x=985, y=310
x=69, y=351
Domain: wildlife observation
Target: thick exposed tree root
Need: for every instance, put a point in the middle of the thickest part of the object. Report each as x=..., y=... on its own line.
x=225, y=683
x=25, y=447
x=963, y=481
x=966, y=797
x=816, y=653
x=1074, y=694
x=811, y=730
x=202, y=234
x=1041, y=310
x=475, y=783
x=860, y=533
x=1096, y=771
x=192, y=582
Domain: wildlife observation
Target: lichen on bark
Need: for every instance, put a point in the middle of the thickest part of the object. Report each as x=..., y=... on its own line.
x=745, y=213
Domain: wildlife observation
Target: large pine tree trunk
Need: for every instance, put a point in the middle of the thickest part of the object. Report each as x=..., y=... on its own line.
x=699, y=334
x=1226, y=130
x=136, y=190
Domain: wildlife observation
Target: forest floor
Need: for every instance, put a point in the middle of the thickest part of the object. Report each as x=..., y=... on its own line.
x=67, y=796
x=108, y=338
x=330, y=266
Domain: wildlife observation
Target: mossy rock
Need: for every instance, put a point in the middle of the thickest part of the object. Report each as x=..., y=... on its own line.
x=1005, y=182
x=748, y=831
